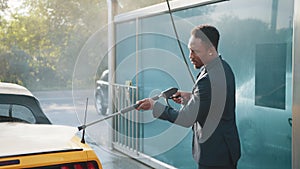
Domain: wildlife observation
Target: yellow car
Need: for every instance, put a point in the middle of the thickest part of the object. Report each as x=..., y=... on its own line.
x=27, y=140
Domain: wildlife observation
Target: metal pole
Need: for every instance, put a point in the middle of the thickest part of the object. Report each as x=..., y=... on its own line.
x=111, y=6
x=274, y=15
x=296, y=88
x=137, y=143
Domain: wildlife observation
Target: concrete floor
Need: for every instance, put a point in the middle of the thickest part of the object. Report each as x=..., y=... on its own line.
x=114, y=160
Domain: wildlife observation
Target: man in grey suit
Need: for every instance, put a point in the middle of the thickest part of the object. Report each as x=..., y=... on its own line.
x=209, y=108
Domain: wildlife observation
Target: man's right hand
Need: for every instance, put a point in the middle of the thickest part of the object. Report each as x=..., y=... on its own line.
x=181, y=97
x=145, y=104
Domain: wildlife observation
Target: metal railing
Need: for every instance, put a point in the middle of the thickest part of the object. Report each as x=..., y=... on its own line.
x=127, y=129
x=125, y=126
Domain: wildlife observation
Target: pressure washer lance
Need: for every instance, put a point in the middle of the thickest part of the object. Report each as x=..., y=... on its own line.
x=167, y=94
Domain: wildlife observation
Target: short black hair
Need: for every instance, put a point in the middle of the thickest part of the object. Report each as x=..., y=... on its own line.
x=208, y=34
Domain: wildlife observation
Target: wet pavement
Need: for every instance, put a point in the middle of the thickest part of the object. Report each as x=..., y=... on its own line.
x=111, y=160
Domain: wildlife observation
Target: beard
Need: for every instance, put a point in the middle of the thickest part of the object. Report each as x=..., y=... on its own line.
x=196, y=67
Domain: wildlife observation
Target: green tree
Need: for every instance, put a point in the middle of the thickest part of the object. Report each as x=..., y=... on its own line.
x=43, y=43
x=3, y=6
x=43, y=38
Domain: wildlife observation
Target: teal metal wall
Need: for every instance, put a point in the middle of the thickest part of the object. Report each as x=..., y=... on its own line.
x=256, y=40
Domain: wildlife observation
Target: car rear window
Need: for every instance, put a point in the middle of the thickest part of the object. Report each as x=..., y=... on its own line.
x=15, y=113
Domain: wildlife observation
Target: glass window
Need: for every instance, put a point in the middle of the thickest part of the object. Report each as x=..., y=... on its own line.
x=270, y=85
x=256, y=40
x=15, y=113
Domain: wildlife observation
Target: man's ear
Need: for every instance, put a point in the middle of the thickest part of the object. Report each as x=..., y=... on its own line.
x=211, y=50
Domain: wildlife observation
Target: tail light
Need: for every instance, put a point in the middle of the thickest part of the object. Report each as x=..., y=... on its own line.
x=91, y=165
x=87, y=165
x=77, y=165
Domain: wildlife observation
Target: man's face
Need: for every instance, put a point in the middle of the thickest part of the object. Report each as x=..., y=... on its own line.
x=198, y=50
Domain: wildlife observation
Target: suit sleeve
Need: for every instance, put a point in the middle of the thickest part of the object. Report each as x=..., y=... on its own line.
x=196, y=108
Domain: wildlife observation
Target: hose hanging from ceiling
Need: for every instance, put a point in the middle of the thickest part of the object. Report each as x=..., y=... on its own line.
x=178, y=41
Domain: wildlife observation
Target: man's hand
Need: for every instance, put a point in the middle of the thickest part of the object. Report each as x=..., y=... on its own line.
x=145, y=104
x=181, y=97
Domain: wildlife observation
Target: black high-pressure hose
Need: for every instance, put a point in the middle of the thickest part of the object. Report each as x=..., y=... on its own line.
x=178, y=41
